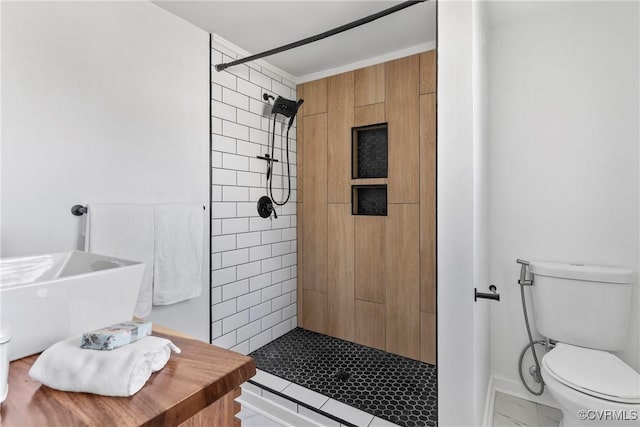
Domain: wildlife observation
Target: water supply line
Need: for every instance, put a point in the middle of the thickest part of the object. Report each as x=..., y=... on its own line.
x=535, y=372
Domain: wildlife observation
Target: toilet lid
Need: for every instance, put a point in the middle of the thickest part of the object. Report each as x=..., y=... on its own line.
x=594, y=372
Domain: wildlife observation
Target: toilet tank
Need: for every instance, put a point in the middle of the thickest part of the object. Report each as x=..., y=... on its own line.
x=583, y=305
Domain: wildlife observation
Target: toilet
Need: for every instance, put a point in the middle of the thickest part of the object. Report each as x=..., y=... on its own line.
x=585, y=310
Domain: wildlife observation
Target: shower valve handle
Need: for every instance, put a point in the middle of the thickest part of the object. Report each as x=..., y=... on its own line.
x=265, y=207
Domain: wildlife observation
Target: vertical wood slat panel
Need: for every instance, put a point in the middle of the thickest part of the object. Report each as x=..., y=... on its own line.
x=369, y=115
x=314, y=219
x=370, y=258
x=403, y=281
x=427, y=298
x=428, y=72
x=402, y=112
x=427, y=202
x=340, y=285
x=370, y=324
x=340, y=121
x=428, y=337
x=370, y=85
x=315, y=311
x=315, y=100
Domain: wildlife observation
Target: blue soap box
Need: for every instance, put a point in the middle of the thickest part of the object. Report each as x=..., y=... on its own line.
x=115, y=336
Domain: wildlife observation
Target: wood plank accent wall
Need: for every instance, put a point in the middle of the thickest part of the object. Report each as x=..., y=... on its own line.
x=403, y=115
x=314, y=230
x=370, y=279
x=341, y=291
x=340, y=113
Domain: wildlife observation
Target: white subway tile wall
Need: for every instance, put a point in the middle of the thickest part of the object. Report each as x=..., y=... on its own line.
x=253, y=260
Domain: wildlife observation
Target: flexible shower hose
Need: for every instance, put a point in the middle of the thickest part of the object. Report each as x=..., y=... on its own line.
x=270, y=174
x=529, y=346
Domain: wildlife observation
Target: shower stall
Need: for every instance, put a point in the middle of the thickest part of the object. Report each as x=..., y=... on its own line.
x=324, y=267
x=345, y=168
x=366, y=206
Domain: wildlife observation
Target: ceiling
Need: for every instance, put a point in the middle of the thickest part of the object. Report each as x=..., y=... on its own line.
x=256, y=26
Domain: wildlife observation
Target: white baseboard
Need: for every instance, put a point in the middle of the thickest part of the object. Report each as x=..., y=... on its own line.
x=487, y=420
x=515, y=388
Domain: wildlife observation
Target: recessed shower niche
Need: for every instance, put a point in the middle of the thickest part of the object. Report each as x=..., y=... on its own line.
x=369, y=200
x=370, y=151
x=369, y=159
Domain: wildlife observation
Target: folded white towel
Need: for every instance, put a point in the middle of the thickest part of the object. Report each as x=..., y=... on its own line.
x=120, y=372
x=124, y=231
x=179, y=240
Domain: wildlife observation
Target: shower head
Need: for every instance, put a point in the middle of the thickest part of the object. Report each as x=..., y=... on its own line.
x=286, y=107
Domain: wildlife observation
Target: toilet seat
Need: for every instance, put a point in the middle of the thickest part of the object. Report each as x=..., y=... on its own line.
x=594, y=372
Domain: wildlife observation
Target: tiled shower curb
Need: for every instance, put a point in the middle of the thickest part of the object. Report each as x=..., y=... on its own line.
x=339, y=420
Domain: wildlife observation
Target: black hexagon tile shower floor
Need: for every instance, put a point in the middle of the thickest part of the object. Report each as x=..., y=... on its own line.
x=389, y=386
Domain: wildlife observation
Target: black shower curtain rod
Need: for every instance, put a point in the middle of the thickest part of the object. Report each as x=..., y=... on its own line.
x=337, y=30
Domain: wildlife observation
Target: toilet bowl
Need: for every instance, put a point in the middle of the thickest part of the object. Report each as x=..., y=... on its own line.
x=584, y=310
x=592, y=387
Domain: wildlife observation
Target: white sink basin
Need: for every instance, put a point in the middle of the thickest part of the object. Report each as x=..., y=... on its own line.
x=48, y=298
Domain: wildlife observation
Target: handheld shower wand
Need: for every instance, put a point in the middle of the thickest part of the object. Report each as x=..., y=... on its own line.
x=288, y=108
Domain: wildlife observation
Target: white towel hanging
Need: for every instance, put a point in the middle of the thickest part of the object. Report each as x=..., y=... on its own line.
x=124, y=231
x=179, y=241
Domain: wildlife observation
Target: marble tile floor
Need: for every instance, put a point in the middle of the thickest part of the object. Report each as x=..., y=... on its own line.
x=511, y=411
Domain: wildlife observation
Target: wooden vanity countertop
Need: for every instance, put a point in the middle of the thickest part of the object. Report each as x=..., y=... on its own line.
x=192, y=380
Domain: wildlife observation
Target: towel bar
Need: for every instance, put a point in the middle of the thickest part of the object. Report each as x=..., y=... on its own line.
x=79, y=210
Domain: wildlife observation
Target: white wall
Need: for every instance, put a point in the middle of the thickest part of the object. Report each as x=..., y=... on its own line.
x=481, y=234
x=463, y=350
x=253, y=259
x=101, y=102
x=564, y=150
